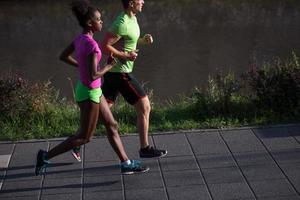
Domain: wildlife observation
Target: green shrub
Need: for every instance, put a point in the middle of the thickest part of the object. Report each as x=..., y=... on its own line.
x=263, y=95
x=33, y=110
x=276, y=86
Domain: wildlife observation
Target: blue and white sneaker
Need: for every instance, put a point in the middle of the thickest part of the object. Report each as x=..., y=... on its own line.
x=41, y=162
x=134, y=167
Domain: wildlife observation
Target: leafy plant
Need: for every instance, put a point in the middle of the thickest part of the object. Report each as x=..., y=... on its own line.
x=263, y=95
x=276, y=85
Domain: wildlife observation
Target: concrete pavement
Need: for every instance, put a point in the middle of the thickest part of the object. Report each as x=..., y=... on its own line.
x=246, y=163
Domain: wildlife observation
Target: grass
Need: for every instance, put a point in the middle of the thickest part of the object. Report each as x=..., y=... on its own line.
x=264, y=95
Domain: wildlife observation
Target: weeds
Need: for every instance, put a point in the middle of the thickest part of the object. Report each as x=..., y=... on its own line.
x=268, y=94
x=276, y=86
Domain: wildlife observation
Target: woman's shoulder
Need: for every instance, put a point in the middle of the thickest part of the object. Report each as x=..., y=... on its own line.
x=85, y=38
x=86, y=42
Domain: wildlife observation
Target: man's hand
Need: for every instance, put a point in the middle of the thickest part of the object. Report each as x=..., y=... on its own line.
x=148, y=39
x=111, y=60
x=132, y=55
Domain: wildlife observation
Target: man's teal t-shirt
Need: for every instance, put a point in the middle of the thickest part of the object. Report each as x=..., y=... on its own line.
x=128, y=29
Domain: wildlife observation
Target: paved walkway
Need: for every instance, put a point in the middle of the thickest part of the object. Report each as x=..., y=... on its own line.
x=248, y=163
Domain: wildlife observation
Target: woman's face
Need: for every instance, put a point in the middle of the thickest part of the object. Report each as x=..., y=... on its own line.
x=97, y=21
x=137, y=5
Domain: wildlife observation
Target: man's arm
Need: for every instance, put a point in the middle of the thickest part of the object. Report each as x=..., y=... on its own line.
x=108, y=48
x=147, y=39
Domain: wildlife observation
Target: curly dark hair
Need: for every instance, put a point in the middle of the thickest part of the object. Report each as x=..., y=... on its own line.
x=126, y=3
x=83, y=11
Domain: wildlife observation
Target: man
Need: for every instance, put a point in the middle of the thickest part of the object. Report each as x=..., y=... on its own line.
x=121, y=42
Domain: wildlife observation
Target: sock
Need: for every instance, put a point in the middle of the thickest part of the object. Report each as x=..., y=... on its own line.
x=127, y=162
x=45, y=157
x=77, y=148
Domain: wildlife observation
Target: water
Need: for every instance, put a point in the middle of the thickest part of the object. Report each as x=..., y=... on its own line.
x=192, y=39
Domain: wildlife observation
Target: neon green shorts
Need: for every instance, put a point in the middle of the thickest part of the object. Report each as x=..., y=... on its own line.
x=83, y=93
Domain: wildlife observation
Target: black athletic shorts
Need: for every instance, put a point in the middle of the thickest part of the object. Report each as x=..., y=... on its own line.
x=124, y=83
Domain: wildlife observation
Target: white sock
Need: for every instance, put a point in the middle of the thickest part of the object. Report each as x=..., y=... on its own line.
x=127, y=162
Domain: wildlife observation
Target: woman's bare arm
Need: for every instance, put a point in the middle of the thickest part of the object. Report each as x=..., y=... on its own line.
x=66, y=55
x=93, y=69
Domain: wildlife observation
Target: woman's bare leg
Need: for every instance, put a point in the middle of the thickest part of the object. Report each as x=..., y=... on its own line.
x=112, y=129
x=89, y=112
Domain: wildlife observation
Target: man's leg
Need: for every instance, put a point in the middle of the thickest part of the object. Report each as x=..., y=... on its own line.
x=143, y=109
x=134, y=94
x=127, y=166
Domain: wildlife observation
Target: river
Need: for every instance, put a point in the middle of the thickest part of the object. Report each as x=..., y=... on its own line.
x=192, y=39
